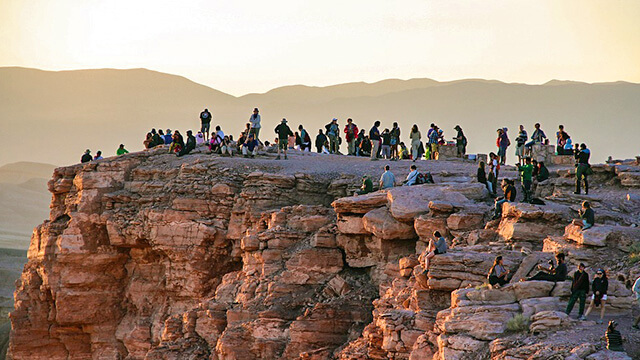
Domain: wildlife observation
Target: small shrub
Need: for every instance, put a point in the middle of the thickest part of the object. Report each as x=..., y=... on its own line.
x=634, y=253
x=483, y=286
x=518, y=323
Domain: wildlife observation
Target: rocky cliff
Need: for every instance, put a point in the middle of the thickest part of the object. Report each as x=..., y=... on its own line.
x=149, y=256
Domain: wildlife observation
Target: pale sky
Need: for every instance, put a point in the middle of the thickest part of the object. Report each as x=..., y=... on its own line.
x=253, y=46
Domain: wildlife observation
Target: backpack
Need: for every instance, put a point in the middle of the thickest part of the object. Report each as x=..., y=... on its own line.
x=307, y=139
x=424, y=178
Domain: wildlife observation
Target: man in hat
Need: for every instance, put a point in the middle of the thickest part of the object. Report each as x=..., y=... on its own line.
x=283, y=132
x=254, y=120
x=579, y=290
x=86, y=157
x=333, y=132
x=461, y=142
x=205, y=123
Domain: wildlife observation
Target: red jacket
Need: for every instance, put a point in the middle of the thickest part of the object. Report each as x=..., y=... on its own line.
x=354, y=133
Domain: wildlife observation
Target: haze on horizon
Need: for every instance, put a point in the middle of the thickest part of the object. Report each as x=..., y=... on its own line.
x=254, y=46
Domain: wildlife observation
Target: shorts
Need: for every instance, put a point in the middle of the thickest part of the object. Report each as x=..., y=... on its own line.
x=604, y=297
x=520, y=150
x=282, y=144
x=205, y=128
x=502, y=151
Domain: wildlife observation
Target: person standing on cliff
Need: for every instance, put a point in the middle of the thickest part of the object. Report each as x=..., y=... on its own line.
x=374, y=137
x=395, y=140
x=205, y=122
x=579, y=290
x=351, y=133
x=461, y=142
x=332, y=130
x=321, y=139
x=415, y=137
x=254, y=120
x=284, y=131
x=583, y=169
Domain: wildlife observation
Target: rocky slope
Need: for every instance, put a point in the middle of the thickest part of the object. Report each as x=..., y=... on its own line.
x=149, y=256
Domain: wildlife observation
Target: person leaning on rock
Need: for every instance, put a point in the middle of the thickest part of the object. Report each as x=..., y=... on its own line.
x=552, y=273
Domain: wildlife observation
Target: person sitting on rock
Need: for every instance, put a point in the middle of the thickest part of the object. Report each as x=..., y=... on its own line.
x=526, y=177
x=599, y=287
x=178, y=143
x=148, y=141
x=190, y=145
x=365, y=146
x=412, y=177
x=121, y=150
x=437, y=246
x=387, y=180
x=199, y=138
x=226, y=148
x=586, y=215
x=168, y=137
x=552, y=273
x=367, y=186
x=86, y=157
x=404, y=152
x=498, y=274
x=579, y=290
x=494, y=172
x=98, y=156
x=636, y=292
x=542, y=173
x=614, y=338
x=509, y=196
x=482, y=174
x=250, y=147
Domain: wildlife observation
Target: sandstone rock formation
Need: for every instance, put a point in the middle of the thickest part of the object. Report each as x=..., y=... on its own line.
x=149, y=256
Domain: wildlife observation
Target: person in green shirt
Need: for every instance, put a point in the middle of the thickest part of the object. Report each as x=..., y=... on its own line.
x=526, y=175
x=367, y=186
x=121, y=150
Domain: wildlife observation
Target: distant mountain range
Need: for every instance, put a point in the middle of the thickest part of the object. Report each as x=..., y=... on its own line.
x=24, y=202
x=53, y=117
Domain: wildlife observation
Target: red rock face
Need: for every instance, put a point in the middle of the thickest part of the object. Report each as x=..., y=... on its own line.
x=149, y=260
x=149, y=256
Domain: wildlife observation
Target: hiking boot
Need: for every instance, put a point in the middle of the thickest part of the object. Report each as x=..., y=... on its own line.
x=582, y=318
x=286, y=158
x=278, y=157
x=576, y=192
x=636, y=327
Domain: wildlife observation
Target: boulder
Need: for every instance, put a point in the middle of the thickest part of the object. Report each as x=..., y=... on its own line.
x=380, y=223
x=360, y=204
x=547, y=320
x=465, y=221
x=351, y=225
x=426, y=224
x=608, y=355
x=408, y=202
x=532, y=289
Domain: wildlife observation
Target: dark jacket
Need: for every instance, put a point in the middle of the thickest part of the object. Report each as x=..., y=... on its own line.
x=320, y=140
x=284, y=131
x=583, y=156
x=482, y=176
x=588, y=215
x=543, y=174
x=580, y=281
x=600, y=284
x=191, y=143
x=374, y=133
x=560, y=272
x=86, y=158
x=510, y=193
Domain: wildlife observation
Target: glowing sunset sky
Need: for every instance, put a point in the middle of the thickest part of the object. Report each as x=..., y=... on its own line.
x=253, y=46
